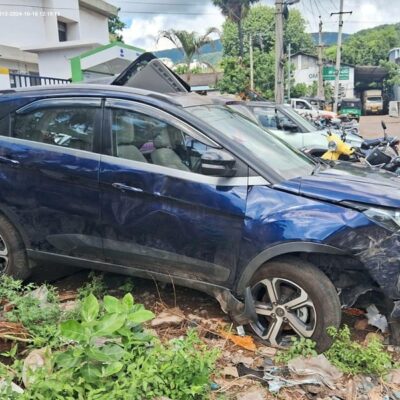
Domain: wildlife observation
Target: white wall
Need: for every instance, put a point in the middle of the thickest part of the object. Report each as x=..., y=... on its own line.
x=93, y=26
x=33, y=29
x=310, y=75
x=21, y=67
x=19, y=30
x=55, y=63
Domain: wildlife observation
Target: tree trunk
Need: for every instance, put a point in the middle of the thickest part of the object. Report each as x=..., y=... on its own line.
x=188, y=75
x=240, y=30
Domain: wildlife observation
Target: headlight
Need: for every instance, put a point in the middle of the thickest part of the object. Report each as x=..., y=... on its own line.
x=332, y=146
x=387, y=218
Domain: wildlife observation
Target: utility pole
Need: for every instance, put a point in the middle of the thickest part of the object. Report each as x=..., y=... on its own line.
x=321, y=91
x=338, y=54
x=289, y=69
x=251, y=63
x=279, y=72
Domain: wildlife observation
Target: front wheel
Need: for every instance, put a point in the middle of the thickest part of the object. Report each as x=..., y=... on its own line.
x=293, y=297
x=13, y=258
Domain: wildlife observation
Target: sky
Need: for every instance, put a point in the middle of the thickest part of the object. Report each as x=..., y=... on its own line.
x=146, y=18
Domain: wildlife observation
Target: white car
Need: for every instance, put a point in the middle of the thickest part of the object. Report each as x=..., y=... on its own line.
x=289, y=126
x=304, y=107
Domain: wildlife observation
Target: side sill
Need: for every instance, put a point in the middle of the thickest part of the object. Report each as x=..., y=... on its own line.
x=238, y=310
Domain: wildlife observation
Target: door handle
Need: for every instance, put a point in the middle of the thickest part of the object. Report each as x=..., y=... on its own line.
x=6, y=160
x=123, y=187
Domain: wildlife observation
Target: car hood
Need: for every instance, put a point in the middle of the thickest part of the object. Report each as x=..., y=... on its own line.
x=349, y=182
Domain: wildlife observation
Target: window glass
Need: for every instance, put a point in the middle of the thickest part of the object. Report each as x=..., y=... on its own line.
x=139, y=137
x=5, y=126
x=258, y=143
x=62, y=31
x=67, y=126
x=274, y=119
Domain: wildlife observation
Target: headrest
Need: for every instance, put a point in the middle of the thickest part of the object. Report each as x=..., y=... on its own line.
x=126, y=131
x=162, y=140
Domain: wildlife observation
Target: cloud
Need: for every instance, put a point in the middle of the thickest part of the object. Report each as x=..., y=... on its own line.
x=143, y=29
x=146, y=18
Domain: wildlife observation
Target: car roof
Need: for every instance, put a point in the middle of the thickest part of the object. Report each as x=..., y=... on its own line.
x=177, y=99
x=251, y=103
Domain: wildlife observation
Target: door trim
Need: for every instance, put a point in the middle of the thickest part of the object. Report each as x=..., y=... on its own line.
x=184, y=175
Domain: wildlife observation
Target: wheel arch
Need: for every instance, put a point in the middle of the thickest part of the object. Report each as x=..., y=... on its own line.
x=14, y=220
x=283, y=249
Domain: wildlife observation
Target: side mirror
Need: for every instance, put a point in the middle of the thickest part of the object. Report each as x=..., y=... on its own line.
x=288, y=126
x=217, y=162
x=383, y=124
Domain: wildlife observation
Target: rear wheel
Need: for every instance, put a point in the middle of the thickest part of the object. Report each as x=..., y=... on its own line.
x=13, y=258
x=294, y=298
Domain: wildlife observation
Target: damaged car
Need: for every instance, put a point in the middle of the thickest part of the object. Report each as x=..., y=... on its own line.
x=175, y=188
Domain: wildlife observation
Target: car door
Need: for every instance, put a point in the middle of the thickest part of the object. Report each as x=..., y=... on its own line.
x=160, y=214
x=273, y=120
x=49, y=175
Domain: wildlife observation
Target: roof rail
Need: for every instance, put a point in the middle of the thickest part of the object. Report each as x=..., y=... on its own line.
x=7, y=91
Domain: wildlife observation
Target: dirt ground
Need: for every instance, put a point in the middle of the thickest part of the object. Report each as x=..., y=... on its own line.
x=370, y=126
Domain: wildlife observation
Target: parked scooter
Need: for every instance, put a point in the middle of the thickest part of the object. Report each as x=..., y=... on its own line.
x=378, y=153
x=382, y=153
x=338, y=148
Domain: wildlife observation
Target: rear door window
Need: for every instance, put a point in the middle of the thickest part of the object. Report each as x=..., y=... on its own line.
x=67, y=126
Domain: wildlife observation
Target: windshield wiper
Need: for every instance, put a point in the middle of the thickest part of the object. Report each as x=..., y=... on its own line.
x=316, y=169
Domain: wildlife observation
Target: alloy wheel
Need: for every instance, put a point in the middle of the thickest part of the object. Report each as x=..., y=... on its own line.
x=3, y=255
x=284, y=309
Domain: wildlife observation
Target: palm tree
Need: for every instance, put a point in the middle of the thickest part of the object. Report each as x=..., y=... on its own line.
x=189, y=43
x=236, y=11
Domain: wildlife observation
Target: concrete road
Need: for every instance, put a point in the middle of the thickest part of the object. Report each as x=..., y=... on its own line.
x=370, y=126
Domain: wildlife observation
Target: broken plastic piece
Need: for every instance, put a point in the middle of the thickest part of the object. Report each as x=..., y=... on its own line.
x=319, y=368
x=375, y=318
x=246, y=342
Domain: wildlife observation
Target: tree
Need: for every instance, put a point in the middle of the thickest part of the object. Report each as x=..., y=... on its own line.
x=115, y=26
x=259, y=24
x=189, y=43
x=369, y=46
x=235, y=11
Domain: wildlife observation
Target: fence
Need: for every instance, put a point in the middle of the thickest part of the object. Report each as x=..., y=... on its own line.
x=24, y=80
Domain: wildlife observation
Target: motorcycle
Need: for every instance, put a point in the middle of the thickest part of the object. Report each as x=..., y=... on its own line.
x=378, y=153
x=338, y=148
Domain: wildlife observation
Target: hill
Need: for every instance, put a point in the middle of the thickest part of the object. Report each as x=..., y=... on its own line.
x=329, y=38
x=209, y=53
x=369, y=46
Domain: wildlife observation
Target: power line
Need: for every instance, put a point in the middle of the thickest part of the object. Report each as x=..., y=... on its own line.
x=122, y=11
x=161, y=3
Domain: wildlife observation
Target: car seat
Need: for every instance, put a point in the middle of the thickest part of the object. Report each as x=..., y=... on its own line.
x=164, y=155
x=125, y=141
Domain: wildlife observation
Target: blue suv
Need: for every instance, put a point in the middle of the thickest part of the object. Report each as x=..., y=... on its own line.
x=178, y=189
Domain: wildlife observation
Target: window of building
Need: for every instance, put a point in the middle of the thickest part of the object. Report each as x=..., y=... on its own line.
x=71, y=127
x=62, y=31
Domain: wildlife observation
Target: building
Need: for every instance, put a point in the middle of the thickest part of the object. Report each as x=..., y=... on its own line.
x=54, y=30
x=19, y=61
x=194, y=65
x=108, y=60
x=306, y=71
x=394, y=55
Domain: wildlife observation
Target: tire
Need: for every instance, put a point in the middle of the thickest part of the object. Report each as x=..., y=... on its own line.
x=295, y=281
x=13, y=258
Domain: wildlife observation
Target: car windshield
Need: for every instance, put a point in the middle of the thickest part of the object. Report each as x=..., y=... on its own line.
x=285, y=161
x=308, y=126
x=376, y=99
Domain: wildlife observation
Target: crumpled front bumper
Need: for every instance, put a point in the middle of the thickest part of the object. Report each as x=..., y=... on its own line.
x=378, y=250
x=382, y=260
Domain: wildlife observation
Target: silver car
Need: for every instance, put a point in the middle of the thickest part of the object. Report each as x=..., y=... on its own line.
x=289, y=126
